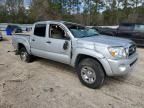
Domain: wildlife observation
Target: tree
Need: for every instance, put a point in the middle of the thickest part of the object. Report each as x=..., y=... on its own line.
x=88, y=12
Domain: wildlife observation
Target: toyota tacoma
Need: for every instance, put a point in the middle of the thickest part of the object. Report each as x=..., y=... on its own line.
x=94, y=56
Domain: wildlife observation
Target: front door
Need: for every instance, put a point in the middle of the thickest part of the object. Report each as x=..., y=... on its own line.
x=59, y=44
x=138, y=35
x=125, y=31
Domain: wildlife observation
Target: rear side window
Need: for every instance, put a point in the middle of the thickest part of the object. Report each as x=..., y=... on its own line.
x=139, y=28
x=126, y=27
x=40, y=30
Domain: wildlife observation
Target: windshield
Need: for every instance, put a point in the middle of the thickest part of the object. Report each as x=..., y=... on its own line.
x=80, y=31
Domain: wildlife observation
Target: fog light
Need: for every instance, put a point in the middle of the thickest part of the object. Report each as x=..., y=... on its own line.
x=122, y=68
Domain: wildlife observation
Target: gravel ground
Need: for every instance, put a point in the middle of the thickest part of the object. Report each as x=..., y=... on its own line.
x=48, y=84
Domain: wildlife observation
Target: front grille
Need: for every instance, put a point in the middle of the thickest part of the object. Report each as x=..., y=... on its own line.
x=132, y=49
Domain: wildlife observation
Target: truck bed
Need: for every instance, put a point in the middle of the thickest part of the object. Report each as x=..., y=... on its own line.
x=20, y=38
x=23, y=34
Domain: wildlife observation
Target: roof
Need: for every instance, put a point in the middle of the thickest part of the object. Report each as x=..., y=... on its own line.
x=58, y=21
x=132, y=23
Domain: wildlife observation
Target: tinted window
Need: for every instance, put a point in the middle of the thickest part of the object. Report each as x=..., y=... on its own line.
x=139, y=28
x=126, y=27
x=14, y=28
x=56, y=32
x=8, y=27
x=40, y=30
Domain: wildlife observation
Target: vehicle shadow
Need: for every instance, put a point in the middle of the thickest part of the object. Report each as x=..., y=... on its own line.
x=55, y=64
x=141, y=47
x=118, y=80
x=5, y=39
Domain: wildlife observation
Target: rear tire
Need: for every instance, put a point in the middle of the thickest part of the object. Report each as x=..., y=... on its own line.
x=25, y=56
x=90, y=73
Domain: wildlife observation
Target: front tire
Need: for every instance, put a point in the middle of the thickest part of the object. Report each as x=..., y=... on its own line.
x=25, y=56
x=90, y=73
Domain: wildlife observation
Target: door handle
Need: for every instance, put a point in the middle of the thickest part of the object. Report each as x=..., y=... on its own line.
x=33, y=39
x=48, y=42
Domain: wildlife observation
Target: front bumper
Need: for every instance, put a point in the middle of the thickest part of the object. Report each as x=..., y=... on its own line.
x=119, y=67
x=122, y=67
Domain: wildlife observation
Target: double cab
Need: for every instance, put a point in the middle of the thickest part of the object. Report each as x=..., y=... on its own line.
x=94, y=56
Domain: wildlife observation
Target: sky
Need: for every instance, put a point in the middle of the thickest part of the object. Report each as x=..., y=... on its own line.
x=2, y=1
x=27, y=3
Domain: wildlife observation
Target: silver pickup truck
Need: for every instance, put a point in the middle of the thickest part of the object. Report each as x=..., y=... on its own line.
x=94, y=56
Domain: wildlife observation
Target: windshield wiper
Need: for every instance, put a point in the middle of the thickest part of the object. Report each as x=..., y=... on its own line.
x=91, y=35
x=87, y=36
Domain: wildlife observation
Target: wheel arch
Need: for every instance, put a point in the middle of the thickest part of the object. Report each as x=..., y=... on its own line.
x=81, y=57
x=22, y=45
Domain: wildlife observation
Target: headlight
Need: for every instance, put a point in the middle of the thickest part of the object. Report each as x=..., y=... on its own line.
x=118, y=52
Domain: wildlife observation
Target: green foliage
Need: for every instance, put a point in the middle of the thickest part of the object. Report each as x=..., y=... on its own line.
x=86, y=12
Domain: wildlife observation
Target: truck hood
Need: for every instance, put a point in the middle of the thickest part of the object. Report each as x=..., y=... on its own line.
x=107, y=40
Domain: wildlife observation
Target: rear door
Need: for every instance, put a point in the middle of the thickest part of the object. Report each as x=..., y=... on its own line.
x=126, y=31
x=38, y=40
x=138, y=35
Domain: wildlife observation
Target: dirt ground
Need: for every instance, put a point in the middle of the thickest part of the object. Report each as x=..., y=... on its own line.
x=48, y=84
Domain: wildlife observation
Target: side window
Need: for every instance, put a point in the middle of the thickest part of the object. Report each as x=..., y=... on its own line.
x=40, y=30
x=126, y=27
x=139, y=28
x=56, y=32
